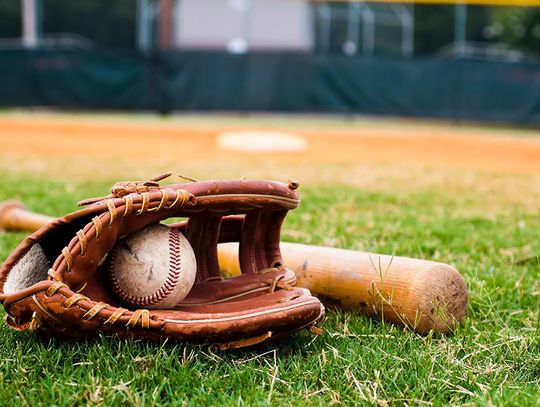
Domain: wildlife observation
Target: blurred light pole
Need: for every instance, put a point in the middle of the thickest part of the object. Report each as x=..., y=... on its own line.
x=460, y=29
x=144, y=32
x=30, y=23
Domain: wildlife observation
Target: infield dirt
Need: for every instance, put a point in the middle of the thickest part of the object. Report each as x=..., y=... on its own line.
x=362, y=141
x=492, y=169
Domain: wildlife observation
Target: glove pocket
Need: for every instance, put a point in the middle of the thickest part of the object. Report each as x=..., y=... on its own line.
x=268, y=316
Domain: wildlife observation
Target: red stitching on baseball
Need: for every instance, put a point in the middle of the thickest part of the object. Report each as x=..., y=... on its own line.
x=169, y=284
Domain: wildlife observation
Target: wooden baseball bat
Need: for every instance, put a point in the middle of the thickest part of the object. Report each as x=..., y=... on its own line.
x=420, y=294
x=15, y=217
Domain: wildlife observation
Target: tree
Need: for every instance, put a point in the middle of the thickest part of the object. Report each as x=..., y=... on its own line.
x=108, y=23
x=517, y=27
x=10, y=19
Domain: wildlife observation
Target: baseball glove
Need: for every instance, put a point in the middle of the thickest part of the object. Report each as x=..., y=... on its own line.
x=56, y=282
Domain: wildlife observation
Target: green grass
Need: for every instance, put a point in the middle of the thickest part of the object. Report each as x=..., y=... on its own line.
x=492, y=359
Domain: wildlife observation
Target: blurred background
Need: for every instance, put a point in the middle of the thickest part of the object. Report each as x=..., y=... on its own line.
x=477, y=60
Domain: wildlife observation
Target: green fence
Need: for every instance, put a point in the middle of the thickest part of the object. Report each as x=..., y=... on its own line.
x=432, y=87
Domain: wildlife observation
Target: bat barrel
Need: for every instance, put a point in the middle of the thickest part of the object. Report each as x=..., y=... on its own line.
x=15, y=217
x=421, y=294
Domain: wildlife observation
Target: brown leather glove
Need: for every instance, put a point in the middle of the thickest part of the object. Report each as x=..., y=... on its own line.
x=55, y=281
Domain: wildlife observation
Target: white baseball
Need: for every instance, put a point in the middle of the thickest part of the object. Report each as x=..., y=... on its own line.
x=153, y=268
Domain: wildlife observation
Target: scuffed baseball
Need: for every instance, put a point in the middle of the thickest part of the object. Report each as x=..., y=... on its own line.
x=29, y=270
x=154, y=268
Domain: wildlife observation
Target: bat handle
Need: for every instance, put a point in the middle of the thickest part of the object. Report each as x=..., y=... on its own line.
x=15, y=217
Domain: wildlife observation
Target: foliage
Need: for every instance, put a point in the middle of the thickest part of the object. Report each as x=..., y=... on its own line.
x=518, y=27
x=10, y=19
x=108, y=23
x=434, y=27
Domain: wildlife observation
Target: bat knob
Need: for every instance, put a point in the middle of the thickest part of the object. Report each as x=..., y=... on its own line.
x=7, y=208
x=15, y=217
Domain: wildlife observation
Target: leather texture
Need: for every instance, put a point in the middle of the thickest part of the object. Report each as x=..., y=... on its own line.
x=262, y=304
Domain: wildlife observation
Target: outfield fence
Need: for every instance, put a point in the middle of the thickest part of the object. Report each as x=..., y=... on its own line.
x=453, y=88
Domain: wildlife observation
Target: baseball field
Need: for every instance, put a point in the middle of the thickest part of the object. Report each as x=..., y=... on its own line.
x=467, y=195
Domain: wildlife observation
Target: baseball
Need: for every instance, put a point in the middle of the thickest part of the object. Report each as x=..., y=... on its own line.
x=153, y=268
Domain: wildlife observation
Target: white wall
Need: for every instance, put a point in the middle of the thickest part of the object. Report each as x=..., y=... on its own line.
x=260, y=24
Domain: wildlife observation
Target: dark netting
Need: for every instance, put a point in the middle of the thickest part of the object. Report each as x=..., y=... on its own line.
x=457, y=89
